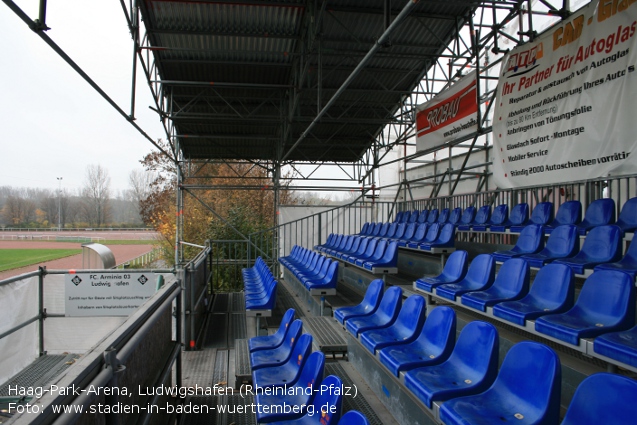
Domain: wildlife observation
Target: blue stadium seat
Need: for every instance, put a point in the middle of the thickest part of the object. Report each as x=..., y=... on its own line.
x=499, y=216
x=419, y=235
x=269, y=342
x=432, y=346
x=422, y=217
x=369, y=251
x=327, y=282
x=433, y=216
x=526, y=391
x=297, y=394
x=519, y=216
x=454, y=271
x=362, y=248
x=405, y=217
x=326, y=406
x=353, y=417
x=570, y=212
x=480, y=276
x=627, y=220
x=552, y=292
x=602, y=245
x=383, y=231
x=628, y=264
x=352, y=249
x=376, y=230
x=481, y=217
x=383, y=317
x=281, y=354
x=511, y=283
x=542, y=214
x=446, y=238
x=605, y=304
x=392, y=230
x=410, y=229
x=621, y=346
x=444, y=216
x=413, y=217
x=404, y=330
x=368, y=306
x=364, y=228
x=399, y=217
x=467, y=217
x=400, y=231
x=388, y=260
x=455, y=215
x=530, y=241
x=381, y=246
x=470, y=369
x=432, y=234
x=287, y=373
x=603, y=398
x=563, y=242
x=341, y=245
x=599, y=213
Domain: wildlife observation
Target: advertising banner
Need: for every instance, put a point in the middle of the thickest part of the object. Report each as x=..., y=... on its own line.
x=566, y=104
x=448, y=116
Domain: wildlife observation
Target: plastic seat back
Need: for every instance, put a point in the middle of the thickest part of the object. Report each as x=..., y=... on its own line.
x=599, y=213
x=371, y=248
x=454, y=215
x=519, y=214
x=444, y=216
x=553, y=287
x=405, y=217
x=477, y=350
x=483, y=214
x=433, y=216
x=432, y=232
x=481, y=270
x=300, y=352
x=328, y=399
x=376, y=229
x=607, y=297
x=512, y=279
x=383, y=230
x=350, y=242
x=439, y=332
x=468, y=215
x=627, y=220
x=570, y=212
x=456, y=266
x=542, y=213
x=602, y=244
x=399, y=216
x=353, y=417
x=603, y=398
x=411, y=316
x=273, y=341
x=563, y=242
x=422, y=217
x=390, y=256
x=390, y=303
x=409, y=231
x=531, y=239
x=500, y=214
x=392, y=230
x=312, y=371
x=447, y=233
x=381, y=246
x=400, y=230
x=362, y=247
x=528, y=384
x=413, y=217
x=421, y=232
x=364, y=229
x=373, y=295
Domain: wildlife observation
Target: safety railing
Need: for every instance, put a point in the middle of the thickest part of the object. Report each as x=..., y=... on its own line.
x=197, y=295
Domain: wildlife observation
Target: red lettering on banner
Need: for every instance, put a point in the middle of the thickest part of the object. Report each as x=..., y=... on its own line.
x=460, y=105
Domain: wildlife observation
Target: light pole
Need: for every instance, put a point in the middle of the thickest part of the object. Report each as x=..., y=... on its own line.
x=59, y=203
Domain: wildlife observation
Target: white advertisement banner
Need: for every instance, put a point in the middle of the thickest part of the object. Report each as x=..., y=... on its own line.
x=107, y=293
x=450, y=115
x=566, y=104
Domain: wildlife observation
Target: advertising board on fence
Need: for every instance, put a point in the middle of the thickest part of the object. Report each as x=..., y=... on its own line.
x=448, y=116
x=565, y=104
x=107, y=293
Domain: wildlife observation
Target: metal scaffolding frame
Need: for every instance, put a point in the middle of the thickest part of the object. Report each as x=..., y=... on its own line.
x=186, y=106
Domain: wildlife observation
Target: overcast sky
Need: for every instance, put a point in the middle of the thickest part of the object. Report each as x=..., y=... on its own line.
x=53, y=123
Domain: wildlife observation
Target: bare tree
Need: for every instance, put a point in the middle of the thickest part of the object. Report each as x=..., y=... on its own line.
x=96, y=194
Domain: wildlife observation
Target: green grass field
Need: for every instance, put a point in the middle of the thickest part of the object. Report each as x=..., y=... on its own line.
x=14, y=258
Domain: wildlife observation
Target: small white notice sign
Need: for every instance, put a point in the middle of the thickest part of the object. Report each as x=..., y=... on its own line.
x=107, y=293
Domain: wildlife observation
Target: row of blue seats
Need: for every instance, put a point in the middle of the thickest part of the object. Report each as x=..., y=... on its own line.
x=313, y=270
x=416, y=236
x=284, y=364
x=463, y=374
x=600, y=212
x=602, y=246
x=604, y=309
x=368, y=253
x=259, y=285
